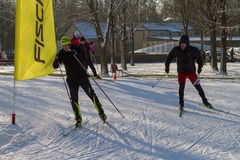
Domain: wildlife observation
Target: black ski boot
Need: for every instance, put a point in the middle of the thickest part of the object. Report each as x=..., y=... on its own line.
x=103, y=117
x=181, y=105
x=207, y=104
x=78, y=123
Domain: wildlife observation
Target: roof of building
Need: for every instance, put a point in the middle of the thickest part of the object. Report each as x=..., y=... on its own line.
x=192, y=38
x=87, y=29
x=172, y=27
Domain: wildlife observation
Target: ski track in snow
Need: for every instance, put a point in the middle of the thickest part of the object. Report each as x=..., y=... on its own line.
x=151, y=129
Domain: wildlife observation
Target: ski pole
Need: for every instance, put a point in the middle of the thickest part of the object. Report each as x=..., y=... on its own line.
x=96, y=63
x=65, y=84
x=108, y=98
x=158, y=81
x=98, y=86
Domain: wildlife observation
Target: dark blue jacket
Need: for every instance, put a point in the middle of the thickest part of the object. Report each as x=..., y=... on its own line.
x=185, y=58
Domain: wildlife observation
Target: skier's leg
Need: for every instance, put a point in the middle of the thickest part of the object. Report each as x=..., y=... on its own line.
x=86, y=86
x=73, y=88
x=200, y=91
x=181, y=95
x=181, y=81
x=202, y=95
x=196, y=82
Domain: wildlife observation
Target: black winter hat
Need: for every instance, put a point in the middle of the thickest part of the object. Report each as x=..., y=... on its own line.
x=184, y=39
x=82, y=39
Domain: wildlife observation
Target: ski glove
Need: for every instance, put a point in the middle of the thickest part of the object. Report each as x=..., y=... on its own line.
x=199, y=70
x=72, y=52
x=56, y=63
x=167, y=70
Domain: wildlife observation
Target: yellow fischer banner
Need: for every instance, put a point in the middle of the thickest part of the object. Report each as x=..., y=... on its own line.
x=35, y=43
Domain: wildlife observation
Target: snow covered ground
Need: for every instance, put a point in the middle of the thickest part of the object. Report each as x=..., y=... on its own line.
x=151, y=129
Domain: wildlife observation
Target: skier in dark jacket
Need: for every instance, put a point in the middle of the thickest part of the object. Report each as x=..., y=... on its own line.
x=186, y=57
x=84, y=48
x=76, y=65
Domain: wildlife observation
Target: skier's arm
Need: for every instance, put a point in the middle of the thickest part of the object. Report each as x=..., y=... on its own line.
x=170, y=57
x=57, y=61
x=199, y=60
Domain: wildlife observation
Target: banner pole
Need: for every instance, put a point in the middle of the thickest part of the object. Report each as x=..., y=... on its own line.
x=14, y=102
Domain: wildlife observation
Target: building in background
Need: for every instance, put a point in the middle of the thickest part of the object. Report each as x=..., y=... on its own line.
x=150, y=38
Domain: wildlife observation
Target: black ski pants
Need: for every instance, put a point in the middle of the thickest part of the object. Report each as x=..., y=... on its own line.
x=181, y=92
x=85, y=84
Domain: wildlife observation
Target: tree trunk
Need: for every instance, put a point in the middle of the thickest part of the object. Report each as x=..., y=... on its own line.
x=132, y=45
x=102, y=42
x=103, y=55
x=113, y=41
x=223, y=66
x=202, y=42
x=123, y=54
x=213, y=50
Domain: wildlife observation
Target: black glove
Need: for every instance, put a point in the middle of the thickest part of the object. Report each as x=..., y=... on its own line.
x=56, y=63
x=167, y=70
x=72, y=52
x=199, y=70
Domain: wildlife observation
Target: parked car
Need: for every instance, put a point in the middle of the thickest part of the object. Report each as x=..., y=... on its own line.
x=219, y=52
x=236, y=50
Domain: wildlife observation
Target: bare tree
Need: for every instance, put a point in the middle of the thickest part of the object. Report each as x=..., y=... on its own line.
x=149, y=10
x=112, y=32
x=7, y=25
x=223, y=66
x=134, y=15
x=102, y=39
x=124, y=37
x=233, y=15
x=217, y=16
x=128, y=19
x=65, y=13
x=212, y=8
x=180, y=10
